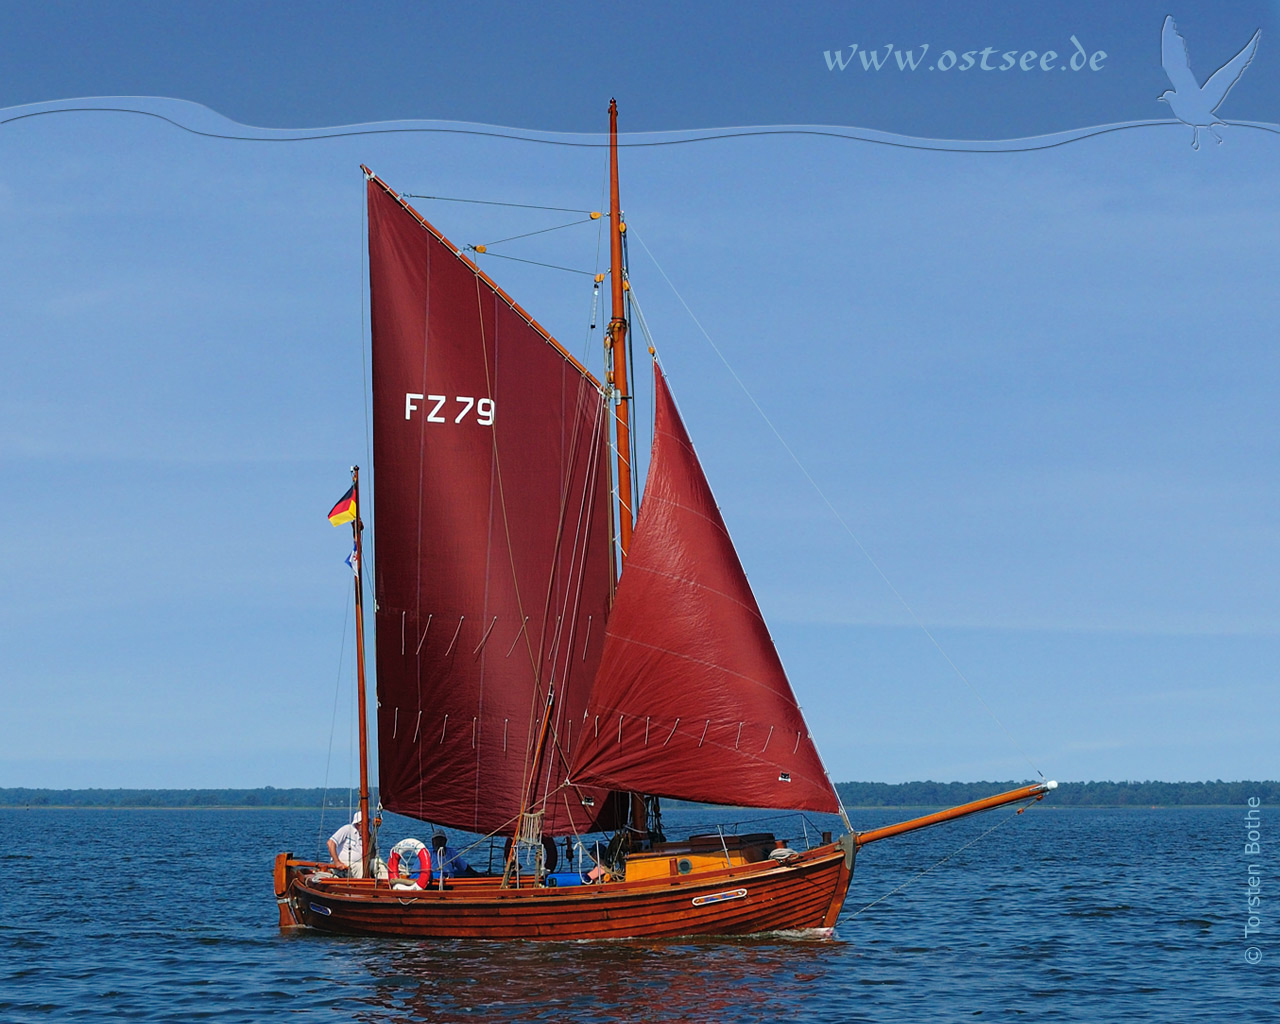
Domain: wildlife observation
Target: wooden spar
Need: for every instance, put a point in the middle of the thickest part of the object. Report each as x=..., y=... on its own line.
x=1034, y=792
x=618, y=338
x=357, y=527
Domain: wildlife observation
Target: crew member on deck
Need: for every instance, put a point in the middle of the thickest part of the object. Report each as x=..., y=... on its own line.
x=345, y=849
x=448, y=861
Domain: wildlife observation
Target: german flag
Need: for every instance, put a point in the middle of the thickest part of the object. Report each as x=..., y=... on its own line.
x=345, y=510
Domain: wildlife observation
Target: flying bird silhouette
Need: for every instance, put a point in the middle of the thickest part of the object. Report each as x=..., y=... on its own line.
x=1192, y=103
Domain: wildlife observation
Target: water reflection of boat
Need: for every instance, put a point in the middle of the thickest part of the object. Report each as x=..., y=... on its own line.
x=725, y=979
x=544, y=669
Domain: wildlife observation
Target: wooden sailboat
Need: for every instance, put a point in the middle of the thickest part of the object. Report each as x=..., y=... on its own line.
x=541, y=673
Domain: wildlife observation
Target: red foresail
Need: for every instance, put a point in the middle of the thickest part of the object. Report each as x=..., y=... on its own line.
x=492, y=550
x=691, y=700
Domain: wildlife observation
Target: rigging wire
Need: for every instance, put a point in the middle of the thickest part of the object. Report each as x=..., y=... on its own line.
x=571, y=605
x=631, y=375
x=634, y=304
x=640, y=320
x=491, y=202
x=540, y=231
x=595, y=290
x=517, y=259
x=835, y=512
x=333, y=722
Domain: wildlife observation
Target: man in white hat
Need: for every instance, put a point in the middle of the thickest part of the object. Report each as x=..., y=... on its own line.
x=345, y=850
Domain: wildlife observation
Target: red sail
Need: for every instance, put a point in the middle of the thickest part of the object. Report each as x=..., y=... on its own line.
x=691, y=700
x=491, y=495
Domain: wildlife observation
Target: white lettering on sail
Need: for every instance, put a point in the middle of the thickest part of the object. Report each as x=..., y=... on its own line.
x=482, y=410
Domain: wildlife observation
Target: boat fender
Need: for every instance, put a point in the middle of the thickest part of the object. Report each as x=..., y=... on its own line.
x=549, y=861
x=784, y=855
x=405, y=852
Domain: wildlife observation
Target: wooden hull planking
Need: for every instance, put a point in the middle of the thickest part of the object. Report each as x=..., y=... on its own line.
x=760, y=897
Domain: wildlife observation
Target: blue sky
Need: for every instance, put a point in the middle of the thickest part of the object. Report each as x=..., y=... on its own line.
x=1038, y=387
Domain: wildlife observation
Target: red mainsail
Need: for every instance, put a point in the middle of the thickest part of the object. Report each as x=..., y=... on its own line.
x=691, y=700
x=491, y=492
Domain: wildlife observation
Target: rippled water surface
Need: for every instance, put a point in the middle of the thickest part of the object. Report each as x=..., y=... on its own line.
x=1056, y=915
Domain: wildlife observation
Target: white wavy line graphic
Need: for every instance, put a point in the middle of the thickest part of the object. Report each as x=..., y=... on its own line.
x=198, y=119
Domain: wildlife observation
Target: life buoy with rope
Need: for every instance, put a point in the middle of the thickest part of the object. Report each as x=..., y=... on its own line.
x=549, y=861
x=406, y=852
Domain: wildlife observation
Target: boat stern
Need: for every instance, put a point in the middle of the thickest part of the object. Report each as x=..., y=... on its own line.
x=286, y=869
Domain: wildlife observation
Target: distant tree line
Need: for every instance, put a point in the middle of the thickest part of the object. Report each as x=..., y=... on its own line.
x=854, y=794
x=267, y=796
x=1068, y=794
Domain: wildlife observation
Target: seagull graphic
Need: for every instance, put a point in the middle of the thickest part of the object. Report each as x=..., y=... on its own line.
x=1194, y=104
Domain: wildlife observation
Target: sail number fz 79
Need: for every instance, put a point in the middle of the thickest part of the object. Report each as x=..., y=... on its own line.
x=442, y=409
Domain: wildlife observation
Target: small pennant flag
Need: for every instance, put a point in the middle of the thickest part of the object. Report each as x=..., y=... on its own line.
x=345, y=510
x=353, y=560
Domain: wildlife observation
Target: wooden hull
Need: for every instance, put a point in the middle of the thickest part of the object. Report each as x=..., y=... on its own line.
x=761, y=897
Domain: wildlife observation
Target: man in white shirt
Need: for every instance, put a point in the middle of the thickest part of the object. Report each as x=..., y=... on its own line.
x=345, y=849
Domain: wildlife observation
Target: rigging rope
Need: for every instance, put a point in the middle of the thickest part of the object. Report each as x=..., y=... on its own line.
x=595, y=291
x=517, y=259
x=571, y=604
x=529, y=234
x=333, y=722
x=491, y=202
x=631, y=376
x=960, y=849
x=506, y=527
x=835, y=512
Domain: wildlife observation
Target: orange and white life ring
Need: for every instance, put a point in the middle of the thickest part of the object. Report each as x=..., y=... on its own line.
x=406, y=852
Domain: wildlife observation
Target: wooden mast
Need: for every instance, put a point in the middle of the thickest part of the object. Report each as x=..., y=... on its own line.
x=357, y=527
x=617, y=378
x=618, y=339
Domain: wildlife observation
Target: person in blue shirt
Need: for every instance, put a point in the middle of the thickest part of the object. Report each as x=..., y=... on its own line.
x=447, y=861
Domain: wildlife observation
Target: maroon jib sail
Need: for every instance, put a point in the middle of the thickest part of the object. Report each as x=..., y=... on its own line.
x=491, y=492
x=691, y=700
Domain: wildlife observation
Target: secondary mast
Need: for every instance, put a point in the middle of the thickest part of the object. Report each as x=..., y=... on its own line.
x=357, y=528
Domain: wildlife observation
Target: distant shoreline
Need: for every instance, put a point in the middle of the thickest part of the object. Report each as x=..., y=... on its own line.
x=862, y=796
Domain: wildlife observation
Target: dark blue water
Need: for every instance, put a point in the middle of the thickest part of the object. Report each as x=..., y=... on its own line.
x=1057, y=915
